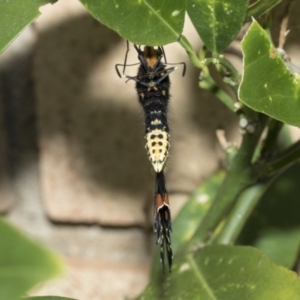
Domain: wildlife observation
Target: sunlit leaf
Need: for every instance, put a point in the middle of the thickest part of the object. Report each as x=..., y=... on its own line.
x=151, y=22
x=217, y=22
x=268, y=86
x=23, y=263
x=15, y=15
x=220, y=272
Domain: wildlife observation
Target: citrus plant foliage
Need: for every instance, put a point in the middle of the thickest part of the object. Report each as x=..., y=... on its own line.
x=277, y=90
x=225, y=272
x=237, y=237
x=23, y=263
x=128, y=18
x=210, y=19
x=15, y=16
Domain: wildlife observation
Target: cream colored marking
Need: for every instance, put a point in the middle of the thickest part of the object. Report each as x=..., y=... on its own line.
x=203, y=198
x=157, y=148
x=151, y=86
x=155, y=122
x=184, y=267
x=175, y=13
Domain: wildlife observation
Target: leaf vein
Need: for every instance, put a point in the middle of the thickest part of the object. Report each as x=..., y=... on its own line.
x=201, y=278
x=160, y=18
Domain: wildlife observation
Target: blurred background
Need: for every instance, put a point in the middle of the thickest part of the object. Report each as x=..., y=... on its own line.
x=74, y=171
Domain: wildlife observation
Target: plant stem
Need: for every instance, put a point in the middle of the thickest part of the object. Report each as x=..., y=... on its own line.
x=223, y=97
x=249, y=198
x=234, y=74
x=274, y=129
x=203, y=62
x=240, y=213
x=183, y=41
x=208, y=83
x=284, y=160
x=259, y=8
x=238, y=177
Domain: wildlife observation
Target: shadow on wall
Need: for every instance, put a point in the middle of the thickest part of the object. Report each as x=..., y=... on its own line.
x=90, y=125
x=86, y=113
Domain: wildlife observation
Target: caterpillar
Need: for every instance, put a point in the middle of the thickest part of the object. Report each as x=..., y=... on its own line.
x=153, y=85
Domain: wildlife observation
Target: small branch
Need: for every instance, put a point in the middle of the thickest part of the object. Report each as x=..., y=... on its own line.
x=233, y=77
x=229, y=149
x=224, y=98
x=283, y=31
x=208, y=83
x=239, y=176
x=203, y=62
x=183, y=41
x=240, y=213
x=234, y=74
x=274, y=128
x=284, y=160
x=259, y=8
x=284, y=23
x=220, y=133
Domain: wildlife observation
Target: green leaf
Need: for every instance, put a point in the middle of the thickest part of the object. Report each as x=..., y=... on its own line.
x=274, y=226
x=267, y=85
x=217, y=22
x=219, y=272
x=143, y=22
x=188, y=219
x=15, y=16
x=47, y=298
x=23, y=263
x=280, y=245
x=191, y=214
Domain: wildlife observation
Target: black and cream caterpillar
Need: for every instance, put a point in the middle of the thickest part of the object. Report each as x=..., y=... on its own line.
x=153, y=84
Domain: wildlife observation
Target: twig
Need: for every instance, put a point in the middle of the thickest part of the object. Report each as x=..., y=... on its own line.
x=240, y=214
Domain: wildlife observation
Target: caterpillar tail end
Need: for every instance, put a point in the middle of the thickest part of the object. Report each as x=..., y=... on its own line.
x=162, y=221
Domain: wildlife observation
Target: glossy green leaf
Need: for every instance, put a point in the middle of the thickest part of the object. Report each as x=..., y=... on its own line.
x=191, y=214
x=280, y=245
x=23, y=263
x=274, y=226
x=267, y=85
x=221, y=272
x=143, y=22
x=47, y=298
x=217, y=22
x=15, y=15
x=188, y=219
